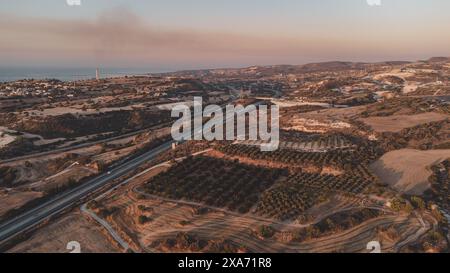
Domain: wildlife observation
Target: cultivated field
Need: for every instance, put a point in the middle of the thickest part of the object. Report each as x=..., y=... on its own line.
x=408, y=170
x=341, y=177
x=152, y=224
x=215, y=182
x=396, y=123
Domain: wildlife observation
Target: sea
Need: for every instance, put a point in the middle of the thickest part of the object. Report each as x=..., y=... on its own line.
x=71, y=74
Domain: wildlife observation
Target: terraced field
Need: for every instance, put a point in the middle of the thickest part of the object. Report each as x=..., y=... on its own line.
x=301, y=191
x=346, y=159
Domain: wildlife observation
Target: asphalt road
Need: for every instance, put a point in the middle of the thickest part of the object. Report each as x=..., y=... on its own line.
x=65, y=200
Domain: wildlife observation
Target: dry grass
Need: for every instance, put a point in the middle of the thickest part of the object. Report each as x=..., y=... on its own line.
x=73, y=227
x=397, y=123
x=16, y=199
x=324, y=170
x=342, y=114
x=6, y=139
x=168, y=218
x=407, y=170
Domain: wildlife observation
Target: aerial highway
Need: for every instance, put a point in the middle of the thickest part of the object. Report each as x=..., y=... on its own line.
x=60, y=202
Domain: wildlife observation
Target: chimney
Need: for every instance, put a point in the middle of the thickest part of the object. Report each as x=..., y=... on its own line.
x=97, y=74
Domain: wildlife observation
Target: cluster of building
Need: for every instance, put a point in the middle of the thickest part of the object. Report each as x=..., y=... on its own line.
x=31, y=88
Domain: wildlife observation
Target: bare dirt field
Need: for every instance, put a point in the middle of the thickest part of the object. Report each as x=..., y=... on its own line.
x=78, y=110
x=407, y=170
x=73, y=227
x=325, y=120
x=16, y=199
x=316, y=126
x=397, y=123
x=285, y=104
x=50, y=167
x=6, y=139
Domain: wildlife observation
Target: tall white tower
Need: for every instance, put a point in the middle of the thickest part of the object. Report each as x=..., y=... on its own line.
x=97, y=74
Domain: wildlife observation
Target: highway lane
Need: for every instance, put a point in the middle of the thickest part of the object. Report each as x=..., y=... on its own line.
x=60, y=202
x=65, y=200
x=83, y=145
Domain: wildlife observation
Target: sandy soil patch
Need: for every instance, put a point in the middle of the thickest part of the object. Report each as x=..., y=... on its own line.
x=16, y=199
x=286, y=104
x=170, y=218
x=397, y=123
x=75, y=173
x=123, y=141
x=45, y=166
x=407, y=170
x=334, y=113
x=47, y=141
x=169, y=106
x=73, y=227
x=316, y=126
x=410, y=88
x=111, y=156
x=6, y=138
x=324, y=170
